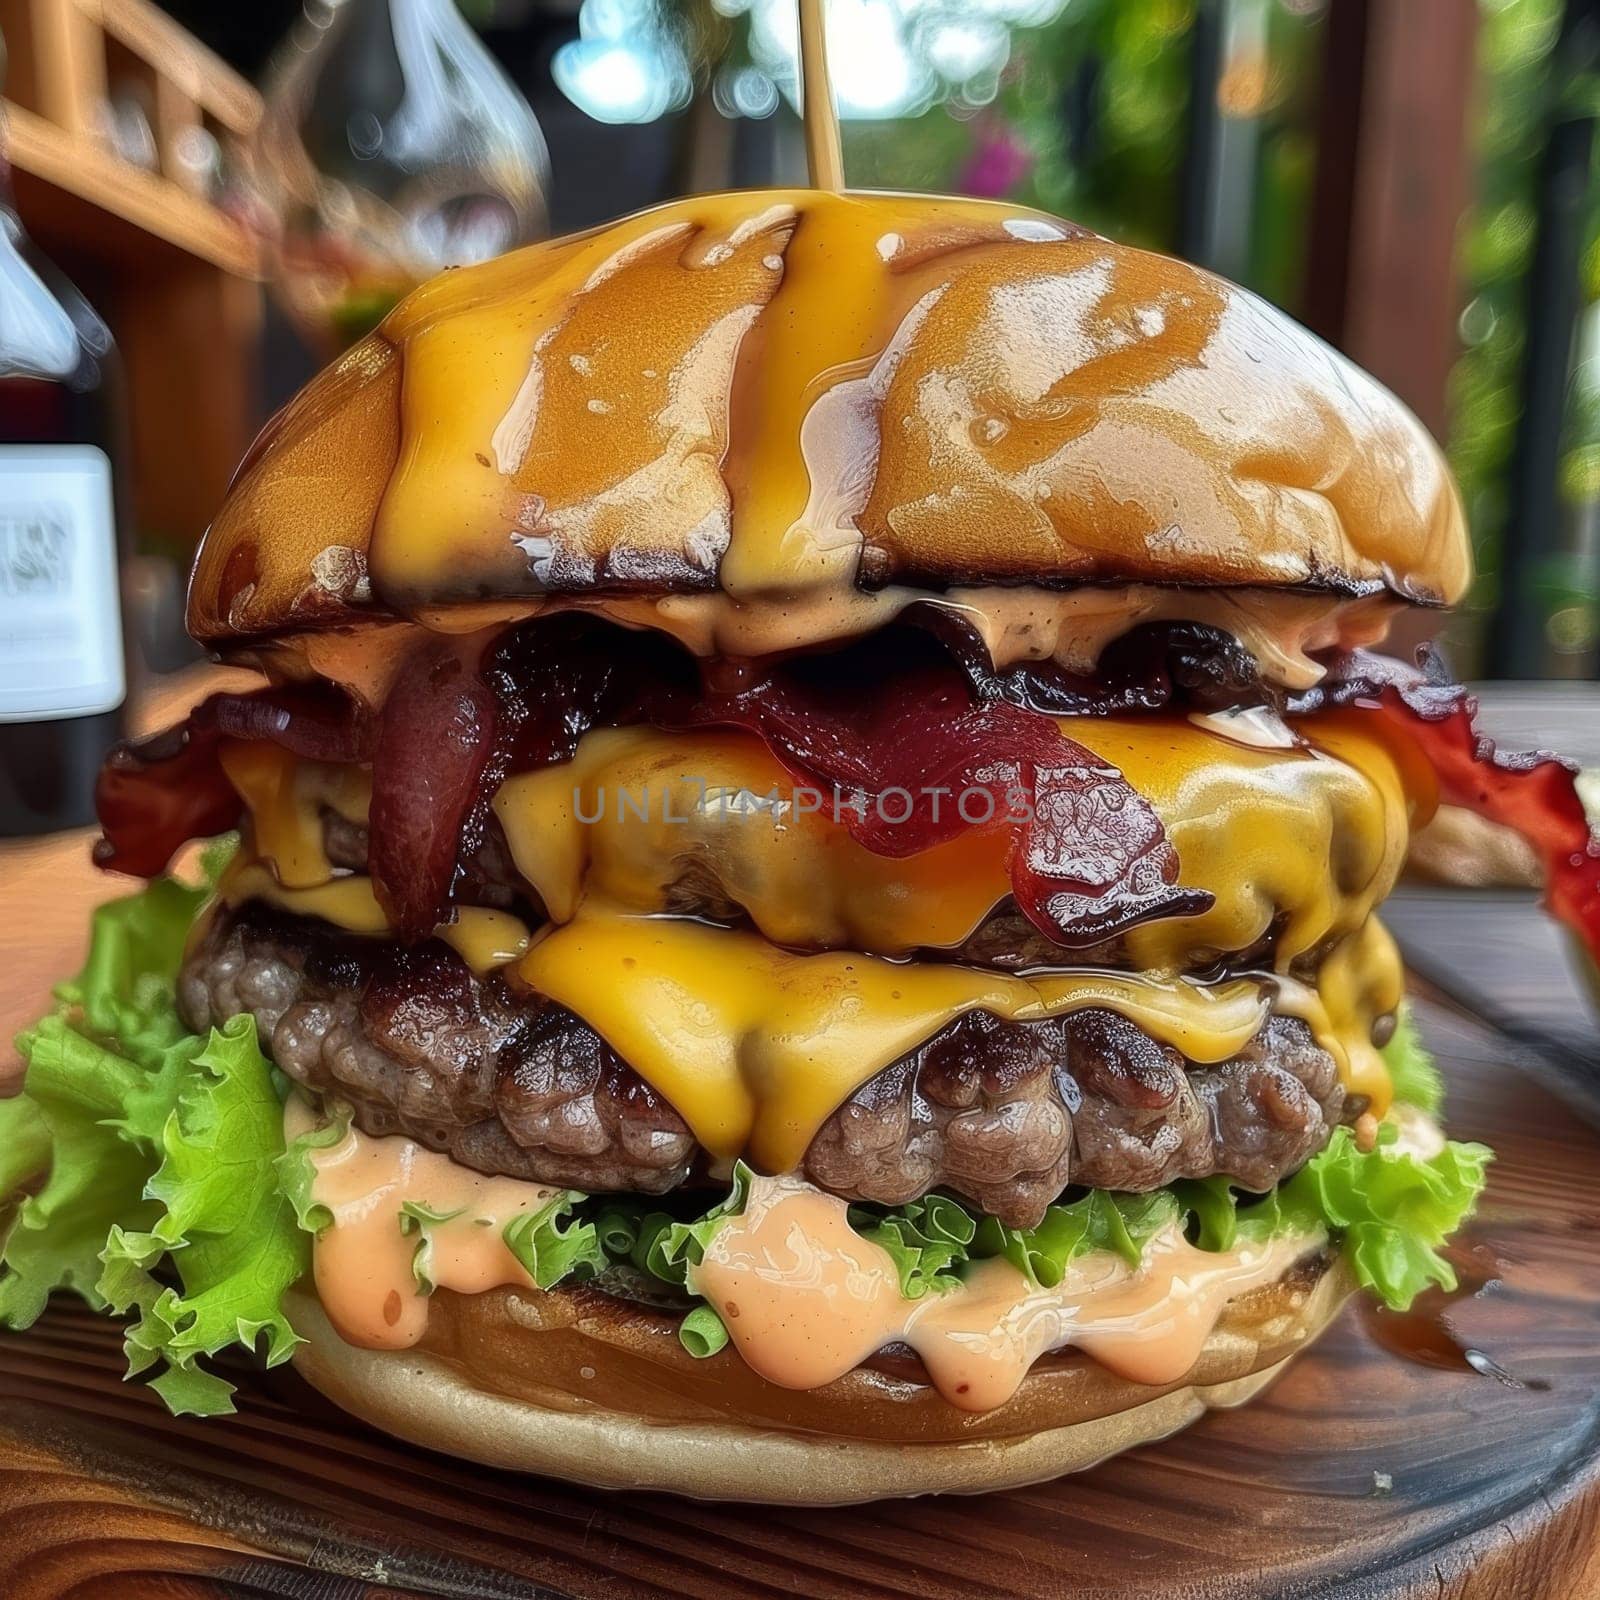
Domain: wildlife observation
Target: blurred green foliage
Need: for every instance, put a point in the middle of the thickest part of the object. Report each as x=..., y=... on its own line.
x=1101, y=96
x=1094, y=102
x=1519, y=90
x=1094, y=105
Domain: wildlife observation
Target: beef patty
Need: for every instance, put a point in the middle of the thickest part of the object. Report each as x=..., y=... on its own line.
x=1005, y=1114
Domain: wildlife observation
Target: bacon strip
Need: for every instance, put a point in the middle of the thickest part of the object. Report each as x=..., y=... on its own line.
x=436, y=737
x=1534, y=793
x=154, y=795
x=910, y=759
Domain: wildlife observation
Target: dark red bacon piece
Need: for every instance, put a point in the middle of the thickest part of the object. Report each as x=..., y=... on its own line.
x=461, y=715
x=556, y=679
x=907, y=750
x=909, y=757
x=435, y=739
x=1534, y=794
x=154, y=795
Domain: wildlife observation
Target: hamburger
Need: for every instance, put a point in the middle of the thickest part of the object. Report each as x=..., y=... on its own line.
x=796, y=916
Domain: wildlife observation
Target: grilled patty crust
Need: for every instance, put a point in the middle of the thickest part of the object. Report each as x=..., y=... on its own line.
x=1005, y=1114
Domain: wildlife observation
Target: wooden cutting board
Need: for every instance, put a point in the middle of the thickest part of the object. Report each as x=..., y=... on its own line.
x=1361, y=1474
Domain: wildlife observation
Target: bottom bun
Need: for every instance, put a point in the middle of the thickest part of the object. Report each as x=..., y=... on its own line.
x=595, y=1390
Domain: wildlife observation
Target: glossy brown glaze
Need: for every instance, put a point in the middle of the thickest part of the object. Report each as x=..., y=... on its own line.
x=796, y=398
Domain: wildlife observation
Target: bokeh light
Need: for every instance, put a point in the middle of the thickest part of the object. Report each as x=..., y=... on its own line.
x=889, y=58
x=627, y=63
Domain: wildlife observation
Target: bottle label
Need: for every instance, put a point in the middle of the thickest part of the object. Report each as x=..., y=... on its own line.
x=60, y=619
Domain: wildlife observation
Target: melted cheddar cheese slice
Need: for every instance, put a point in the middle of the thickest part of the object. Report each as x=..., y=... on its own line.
x=638, y=810
x=285, y=797
x=756, y=1047
x=484, y=938
x=1303, y=841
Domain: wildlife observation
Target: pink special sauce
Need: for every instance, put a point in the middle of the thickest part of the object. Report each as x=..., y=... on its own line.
x=363, y=1262
x=805, y=1298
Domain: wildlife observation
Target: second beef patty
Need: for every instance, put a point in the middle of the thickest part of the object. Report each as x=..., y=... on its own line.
x=1005, y=1114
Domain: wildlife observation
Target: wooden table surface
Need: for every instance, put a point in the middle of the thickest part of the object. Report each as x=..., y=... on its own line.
x=1360, y=1474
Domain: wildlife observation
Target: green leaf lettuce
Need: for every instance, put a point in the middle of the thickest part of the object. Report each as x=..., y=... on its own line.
x=146, y=1145
x=1411, y=1068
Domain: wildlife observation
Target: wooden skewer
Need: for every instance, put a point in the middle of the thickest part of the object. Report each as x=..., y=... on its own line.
x=824, y=156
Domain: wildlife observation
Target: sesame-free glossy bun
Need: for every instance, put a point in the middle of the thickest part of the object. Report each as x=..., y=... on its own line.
x=579, y=1386
x=787, y=395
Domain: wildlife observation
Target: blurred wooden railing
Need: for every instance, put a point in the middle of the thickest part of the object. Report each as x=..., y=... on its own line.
x=68, y=59
x=155, y=237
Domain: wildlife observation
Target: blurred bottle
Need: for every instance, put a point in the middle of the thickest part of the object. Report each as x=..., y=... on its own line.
x=62, y=672
x=392, y=146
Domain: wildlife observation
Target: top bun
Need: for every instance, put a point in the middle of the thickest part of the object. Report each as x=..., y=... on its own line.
x=785, y=393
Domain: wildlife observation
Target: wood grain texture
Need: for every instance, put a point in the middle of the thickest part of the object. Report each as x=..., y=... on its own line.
x=1358, y=1476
